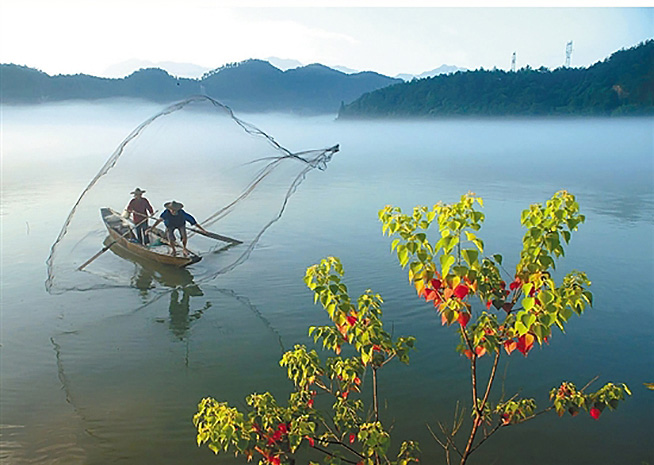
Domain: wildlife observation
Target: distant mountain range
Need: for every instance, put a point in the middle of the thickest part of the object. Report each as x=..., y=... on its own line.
x=443, y=69
x=189, y=70
x=249, y=86
x=125, y=68
x=623, y=84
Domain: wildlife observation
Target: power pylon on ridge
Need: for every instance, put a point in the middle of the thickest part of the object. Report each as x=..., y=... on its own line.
x=513, y=63
x=568, y=54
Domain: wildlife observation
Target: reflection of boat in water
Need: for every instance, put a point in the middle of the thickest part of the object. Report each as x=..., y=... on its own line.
x=120, y=231
x=178, y=280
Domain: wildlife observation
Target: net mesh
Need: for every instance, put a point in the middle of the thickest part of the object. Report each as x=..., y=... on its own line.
x=235, y=179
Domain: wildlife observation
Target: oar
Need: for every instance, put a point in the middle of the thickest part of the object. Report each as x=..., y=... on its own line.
x=215, y=236
x=107, y=247
x=212, y=235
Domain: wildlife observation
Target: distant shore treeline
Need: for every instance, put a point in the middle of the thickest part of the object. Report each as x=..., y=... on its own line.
x=623, y=84
x=252, y=85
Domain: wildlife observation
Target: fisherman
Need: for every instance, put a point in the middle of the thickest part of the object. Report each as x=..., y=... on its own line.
x=175, y=218
x=140, y=209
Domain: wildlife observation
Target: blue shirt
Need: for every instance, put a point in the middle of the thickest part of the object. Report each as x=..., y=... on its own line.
x=176, y=221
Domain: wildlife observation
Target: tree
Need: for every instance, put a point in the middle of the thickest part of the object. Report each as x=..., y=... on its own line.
x=452, y=271
x=450, y=274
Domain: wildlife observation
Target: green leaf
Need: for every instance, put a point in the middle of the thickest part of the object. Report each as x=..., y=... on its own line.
x=402, y=255
x=545, y=297
x=521, y=328
x=470, y=256
x=446, y=262
x=528, y=319
x=528, y=303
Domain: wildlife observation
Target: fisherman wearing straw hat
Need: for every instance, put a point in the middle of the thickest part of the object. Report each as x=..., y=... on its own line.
x=140, y=208
x=175, y=218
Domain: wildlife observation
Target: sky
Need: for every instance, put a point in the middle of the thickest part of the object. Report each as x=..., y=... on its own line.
x=90, y=36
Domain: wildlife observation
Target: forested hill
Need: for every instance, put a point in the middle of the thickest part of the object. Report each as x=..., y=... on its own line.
x=252, y=85
x=623, y=84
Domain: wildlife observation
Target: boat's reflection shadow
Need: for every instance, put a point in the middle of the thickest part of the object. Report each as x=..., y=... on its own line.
x=149, y=275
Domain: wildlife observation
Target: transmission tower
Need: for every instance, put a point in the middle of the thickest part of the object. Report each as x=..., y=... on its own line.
x=568, y=54
x=513, y=63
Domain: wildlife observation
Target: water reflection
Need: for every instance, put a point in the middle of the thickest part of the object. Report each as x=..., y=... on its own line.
x=630, y=209
x=149, y=275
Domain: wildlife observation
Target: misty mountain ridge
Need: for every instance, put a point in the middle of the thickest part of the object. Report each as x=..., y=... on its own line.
x=442, y=69
x=283, y=63
x=127, y=67
x=190, y=70
x=252, y=85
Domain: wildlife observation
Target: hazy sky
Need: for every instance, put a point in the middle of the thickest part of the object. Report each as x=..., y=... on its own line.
x=88, y=36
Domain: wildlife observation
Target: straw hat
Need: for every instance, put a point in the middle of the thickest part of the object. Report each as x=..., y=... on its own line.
x=137, y=191
x=176, y=206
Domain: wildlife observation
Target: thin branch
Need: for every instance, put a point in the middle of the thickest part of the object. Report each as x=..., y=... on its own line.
x=491, y=378
x=341, y=443
x=446, y=448
x=486, y=436
x=450, y=438
x=534, y=415
x=374, y=393
x=589, y=383
x=326, y=452
x=438, y=440
x=473, y=368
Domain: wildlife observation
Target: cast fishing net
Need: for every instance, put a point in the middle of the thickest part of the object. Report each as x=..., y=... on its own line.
x=232, y=177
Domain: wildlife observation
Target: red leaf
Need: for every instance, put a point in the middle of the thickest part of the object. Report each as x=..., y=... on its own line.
x=463, y=319
x=488, y=304
x=508, y=306
x=467, y=353
x=480, y=351
x=436, y=283
x=595, y=413
x=351, y=320
x=515, y=284
x=310, y=403
x=461, y=291
x=443, y=319
x=311, y=441
x=352, y=438
x=510, y=346
x=525, y=343
x=430, y=294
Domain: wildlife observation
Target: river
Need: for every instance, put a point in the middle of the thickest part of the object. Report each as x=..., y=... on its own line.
x=113, y=374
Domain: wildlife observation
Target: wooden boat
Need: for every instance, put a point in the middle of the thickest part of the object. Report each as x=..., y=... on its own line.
x=121, y=231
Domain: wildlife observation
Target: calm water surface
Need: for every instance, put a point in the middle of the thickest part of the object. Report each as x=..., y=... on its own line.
x=114, y=375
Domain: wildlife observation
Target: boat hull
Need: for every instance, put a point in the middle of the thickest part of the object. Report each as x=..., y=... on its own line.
x=121, y=232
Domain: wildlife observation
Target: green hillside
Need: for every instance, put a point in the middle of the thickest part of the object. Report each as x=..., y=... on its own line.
x=623, y=84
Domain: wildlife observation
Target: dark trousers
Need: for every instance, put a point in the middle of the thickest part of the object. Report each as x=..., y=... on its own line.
x=141, y=234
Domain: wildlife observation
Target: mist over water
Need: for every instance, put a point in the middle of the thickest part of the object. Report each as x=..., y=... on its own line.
x=115, y=374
